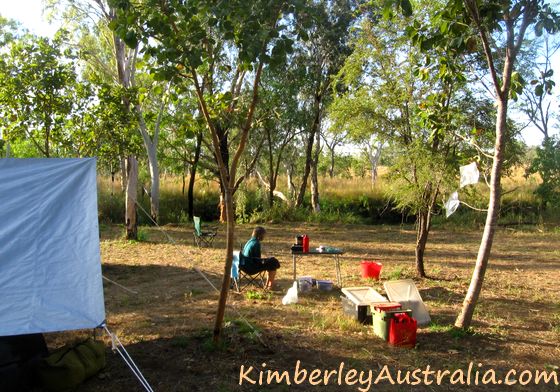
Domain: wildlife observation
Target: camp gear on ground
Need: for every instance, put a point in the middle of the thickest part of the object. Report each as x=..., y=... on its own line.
x=356, y=302
x=405, y=292
x=203, y=236
x=381, y=320
x=370, y=269
x=240, y=279
x=305, y=284
x=336, y=252
x=291, y=296
x=66, y=368
x=402, y=331
x=324, y=285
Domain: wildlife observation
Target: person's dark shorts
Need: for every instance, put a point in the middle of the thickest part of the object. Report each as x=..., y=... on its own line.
x=252, y=267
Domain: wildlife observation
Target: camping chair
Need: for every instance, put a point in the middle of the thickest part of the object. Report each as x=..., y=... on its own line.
x=240, y=280
x=202, y=237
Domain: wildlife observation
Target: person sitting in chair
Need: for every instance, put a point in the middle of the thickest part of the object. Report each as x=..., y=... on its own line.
x=251, y=261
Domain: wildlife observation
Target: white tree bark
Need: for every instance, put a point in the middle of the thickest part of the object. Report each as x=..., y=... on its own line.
x=278, y=194
x=373, y=151
x=290, y=180
x=151, y=145
x=122, y=163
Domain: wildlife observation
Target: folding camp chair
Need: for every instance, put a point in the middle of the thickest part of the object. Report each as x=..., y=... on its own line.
x=240, y=279
x=203, y=237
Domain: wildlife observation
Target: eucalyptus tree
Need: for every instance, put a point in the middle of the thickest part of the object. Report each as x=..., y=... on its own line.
x=332, y=140
x=498, y=31
x=388, y=97
x=107, y=55
x=221, y=48
x=318, y=59
x=282, y=120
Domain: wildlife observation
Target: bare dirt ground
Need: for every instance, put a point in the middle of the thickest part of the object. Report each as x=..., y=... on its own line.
x=167, y=326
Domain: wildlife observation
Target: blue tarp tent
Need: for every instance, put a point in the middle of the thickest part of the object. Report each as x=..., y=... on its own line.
x=50, y=265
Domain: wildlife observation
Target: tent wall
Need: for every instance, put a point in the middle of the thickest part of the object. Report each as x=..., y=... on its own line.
x=50, y=265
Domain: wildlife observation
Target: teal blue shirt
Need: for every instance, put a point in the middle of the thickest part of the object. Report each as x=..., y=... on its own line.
x=251, y=250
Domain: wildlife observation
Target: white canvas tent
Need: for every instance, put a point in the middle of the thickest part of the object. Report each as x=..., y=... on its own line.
x=50, y=266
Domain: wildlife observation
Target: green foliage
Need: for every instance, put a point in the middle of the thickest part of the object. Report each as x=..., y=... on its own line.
x=257, y=295
x=41, y=97
x=547, y=164
x=456, y=333
x=395, y=274
x=142, y=235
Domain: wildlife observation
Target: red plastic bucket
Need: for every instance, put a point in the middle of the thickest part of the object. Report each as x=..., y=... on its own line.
x=371, y=269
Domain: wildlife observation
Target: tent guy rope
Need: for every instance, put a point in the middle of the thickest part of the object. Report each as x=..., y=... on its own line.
x=118, y=347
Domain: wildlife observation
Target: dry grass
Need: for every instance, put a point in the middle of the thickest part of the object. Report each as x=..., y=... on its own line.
x=167, y=326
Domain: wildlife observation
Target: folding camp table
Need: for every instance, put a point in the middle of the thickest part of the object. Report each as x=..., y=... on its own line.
x=313, y=252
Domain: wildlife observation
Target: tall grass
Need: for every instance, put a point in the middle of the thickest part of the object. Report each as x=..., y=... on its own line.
x=344, y=200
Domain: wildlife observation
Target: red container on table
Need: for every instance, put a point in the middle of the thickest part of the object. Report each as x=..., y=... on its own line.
x=305, y=243
x=402, y=331
x=371, y=269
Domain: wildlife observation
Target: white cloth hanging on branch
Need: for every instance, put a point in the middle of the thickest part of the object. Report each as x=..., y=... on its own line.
x=452, y=204
x=469, y=174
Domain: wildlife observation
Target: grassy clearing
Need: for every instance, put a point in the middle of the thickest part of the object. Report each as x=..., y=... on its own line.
x=167, y=327
x=343, y=200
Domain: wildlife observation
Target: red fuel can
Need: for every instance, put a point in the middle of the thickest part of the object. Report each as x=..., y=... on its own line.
x=402, y=331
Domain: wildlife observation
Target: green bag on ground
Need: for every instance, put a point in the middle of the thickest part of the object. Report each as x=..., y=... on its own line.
x=66, y=368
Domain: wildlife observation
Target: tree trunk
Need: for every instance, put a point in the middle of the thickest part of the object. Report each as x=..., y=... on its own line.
x=112, y=180
x=224, y=152
x=309, y=151
x=270, y=169
x=465, y=317
x=192, y=176
x=271, y=196
x=124, y=178
x=131, y=198
x=230, y=227
x=331, y=169
x=183, y=178
x=422, y=232
x=223, y=208
x=289, y=178
x=374, y=157
x=314, y=175
x=154, y=182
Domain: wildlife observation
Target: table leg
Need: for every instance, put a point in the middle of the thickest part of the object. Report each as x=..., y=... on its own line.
x=338, y=274
x=294, y=262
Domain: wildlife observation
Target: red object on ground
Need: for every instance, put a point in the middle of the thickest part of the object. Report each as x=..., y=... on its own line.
x=305, y=243
x=402, y=331
x=387, y=306
x=371, y=269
